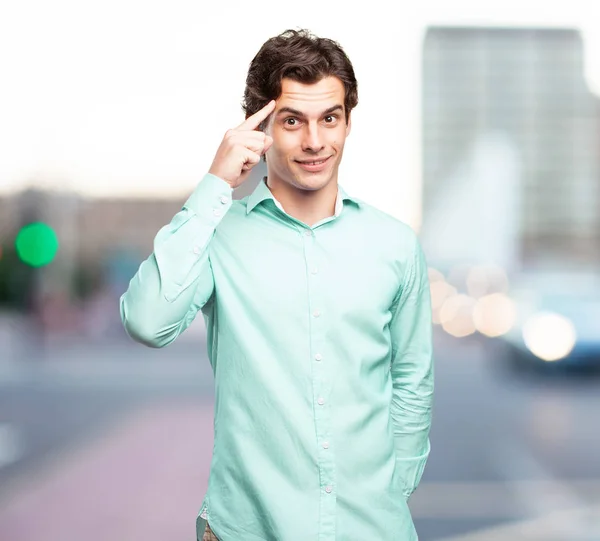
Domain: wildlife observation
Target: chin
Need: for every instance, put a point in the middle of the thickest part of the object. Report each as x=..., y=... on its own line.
x=313, y=182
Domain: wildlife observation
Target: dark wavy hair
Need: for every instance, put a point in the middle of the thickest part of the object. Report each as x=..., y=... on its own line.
x=303, y=57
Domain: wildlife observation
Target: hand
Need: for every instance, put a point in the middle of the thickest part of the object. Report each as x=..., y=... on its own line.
x=242, y=148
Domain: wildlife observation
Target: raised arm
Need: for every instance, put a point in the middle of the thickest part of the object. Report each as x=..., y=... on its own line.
x=176, y=281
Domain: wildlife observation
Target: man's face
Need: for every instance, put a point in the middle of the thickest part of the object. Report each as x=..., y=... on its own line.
x=307, y=125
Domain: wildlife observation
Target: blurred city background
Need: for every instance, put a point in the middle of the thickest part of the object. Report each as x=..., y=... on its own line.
x=102, y=438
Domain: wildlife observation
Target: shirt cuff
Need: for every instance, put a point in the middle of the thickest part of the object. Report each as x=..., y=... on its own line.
x=210, y=200
x=411, y=470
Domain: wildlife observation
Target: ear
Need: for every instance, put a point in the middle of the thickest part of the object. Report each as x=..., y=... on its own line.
x=349, y=124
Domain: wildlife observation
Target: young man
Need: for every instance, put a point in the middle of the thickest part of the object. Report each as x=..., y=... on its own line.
x=318, y=318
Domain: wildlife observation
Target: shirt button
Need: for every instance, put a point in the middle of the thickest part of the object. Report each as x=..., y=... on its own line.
x=321, y=401
x=217, y=212
x=196, y=250
x=328, y=489
x=318, y=356
x=224, y=199
x=316, y=313
x=308, y=232
x=314, y=270
x=325, y=445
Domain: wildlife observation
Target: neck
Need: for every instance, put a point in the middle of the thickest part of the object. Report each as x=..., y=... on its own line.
x=308, y=206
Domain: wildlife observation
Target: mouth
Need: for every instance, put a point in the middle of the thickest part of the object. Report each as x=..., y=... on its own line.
x=314, y=165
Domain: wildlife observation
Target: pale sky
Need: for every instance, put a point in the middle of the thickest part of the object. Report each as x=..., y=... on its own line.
x=133, y=97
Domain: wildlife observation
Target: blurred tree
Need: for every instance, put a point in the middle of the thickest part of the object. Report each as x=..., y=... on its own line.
x=87, y=280
x=16, y=279
x=24, y=279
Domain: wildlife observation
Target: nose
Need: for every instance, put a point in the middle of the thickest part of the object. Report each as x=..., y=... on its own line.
x=312, y=139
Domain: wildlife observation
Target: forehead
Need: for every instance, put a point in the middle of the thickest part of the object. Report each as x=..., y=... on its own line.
x=310, y=97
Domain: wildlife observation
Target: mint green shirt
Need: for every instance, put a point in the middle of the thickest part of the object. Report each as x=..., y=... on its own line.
x=320, y=340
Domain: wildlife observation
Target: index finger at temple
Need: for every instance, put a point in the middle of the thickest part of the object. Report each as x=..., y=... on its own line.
x=252, y=122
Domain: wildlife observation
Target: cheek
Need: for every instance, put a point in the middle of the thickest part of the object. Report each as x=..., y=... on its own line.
x=338, y=144
x=280, y=153
x=285, y=148
x=338, y=141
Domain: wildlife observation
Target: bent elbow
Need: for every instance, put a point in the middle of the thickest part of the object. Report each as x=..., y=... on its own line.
x=143, y=329
x=144, y=334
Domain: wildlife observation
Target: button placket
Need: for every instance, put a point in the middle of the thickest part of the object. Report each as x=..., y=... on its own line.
x=323, y=427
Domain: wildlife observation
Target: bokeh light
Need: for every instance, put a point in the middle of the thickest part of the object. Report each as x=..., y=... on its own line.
x=434, y=274
x=36, y=244
x=549, y=336
x=456, y=315
x=440, y=291
x=494, y=314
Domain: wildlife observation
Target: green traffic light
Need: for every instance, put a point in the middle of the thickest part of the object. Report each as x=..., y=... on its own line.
x=36, y=244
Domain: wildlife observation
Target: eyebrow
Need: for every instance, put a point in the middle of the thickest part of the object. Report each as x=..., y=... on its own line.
x=300, y=114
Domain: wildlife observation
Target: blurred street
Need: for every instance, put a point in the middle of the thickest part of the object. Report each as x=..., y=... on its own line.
x=488, y=148
x=114, y=442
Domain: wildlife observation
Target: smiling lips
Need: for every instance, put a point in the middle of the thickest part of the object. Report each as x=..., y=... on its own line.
x=313, y=165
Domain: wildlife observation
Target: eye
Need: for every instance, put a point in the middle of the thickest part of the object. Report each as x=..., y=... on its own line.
x=290, y=119
x=332, y=117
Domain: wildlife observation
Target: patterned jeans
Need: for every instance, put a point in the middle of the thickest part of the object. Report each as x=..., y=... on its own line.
x=208, y=534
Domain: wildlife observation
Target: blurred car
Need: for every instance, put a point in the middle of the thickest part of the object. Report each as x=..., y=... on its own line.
x=557, y=323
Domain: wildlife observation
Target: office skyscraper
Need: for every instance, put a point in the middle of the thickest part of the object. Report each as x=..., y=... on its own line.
x=510, y=136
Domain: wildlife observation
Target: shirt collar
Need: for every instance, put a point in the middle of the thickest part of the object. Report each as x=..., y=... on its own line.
x=262, y=193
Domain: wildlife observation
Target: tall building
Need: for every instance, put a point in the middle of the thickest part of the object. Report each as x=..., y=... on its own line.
x=511, y=147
